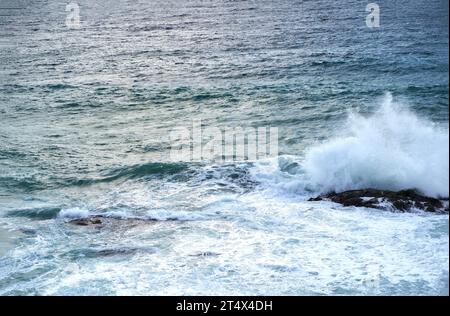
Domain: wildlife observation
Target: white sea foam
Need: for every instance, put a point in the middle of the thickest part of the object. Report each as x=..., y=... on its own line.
x=276, y=246
x=74, y=213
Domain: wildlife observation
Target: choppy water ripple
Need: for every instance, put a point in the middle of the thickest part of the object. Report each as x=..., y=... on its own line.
x=85, y=116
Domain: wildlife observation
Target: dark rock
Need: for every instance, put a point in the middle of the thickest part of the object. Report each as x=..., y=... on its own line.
x=402, y=201
x=95, y=220
x=100, y=221
x=205, y=254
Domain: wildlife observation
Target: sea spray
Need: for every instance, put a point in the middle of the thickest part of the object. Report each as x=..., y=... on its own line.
x=392, y=149
x=74, y=213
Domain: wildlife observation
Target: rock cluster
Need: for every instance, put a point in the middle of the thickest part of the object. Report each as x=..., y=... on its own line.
x=402, y=201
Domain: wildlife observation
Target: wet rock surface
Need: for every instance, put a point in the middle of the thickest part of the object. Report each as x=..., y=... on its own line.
x=100, y=221
x=401, y=201
x=87, y=221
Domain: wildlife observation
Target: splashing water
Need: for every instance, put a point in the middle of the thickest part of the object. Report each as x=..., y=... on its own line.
x=392, y=149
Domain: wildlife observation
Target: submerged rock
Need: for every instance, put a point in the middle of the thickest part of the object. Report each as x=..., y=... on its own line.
x=108, y=252
x=402, y=201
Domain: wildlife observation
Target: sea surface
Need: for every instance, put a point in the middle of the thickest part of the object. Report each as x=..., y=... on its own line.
x=85, y=118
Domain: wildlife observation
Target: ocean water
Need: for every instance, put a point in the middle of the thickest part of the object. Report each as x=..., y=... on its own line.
x=85, y=119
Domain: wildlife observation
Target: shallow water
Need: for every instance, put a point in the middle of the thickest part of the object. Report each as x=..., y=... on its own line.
x=85, y=116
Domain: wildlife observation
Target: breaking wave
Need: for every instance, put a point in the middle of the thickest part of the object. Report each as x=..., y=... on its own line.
x=392, y=149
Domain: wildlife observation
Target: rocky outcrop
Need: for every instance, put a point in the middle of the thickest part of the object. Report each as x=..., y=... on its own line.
x=402, y=201
x=95, y=220
x=100, y=221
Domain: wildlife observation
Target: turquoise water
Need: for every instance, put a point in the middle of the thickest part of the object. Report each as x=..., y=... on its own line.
x=85, y=119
